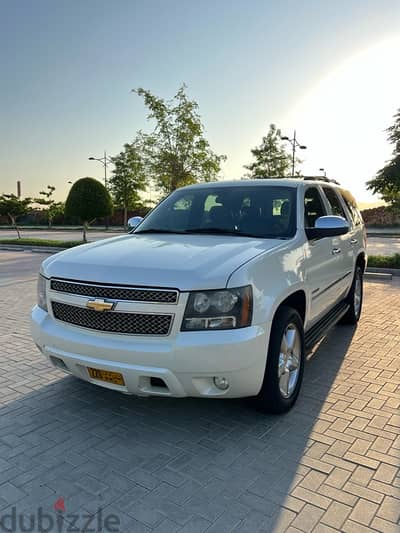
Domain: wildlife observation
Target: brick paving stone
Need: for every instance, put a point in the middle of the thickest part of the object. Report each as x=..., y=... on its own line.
x=331, y=464
x=383, y=526
x=364, y=511
x=335, y=515
x=308, y=517
x=390, y=509
x=386, y=473
x=362, y=475
x=337, y=478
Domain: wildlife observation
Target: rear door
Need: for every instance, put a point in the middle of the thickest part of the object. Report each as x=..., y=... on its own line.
x=357, y=231
x=342, y=244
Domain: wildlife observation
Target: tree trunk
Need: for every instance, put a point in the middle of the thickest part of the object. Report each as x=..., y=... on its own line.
x=14, y=223
x=84, y=231
x=125, y=218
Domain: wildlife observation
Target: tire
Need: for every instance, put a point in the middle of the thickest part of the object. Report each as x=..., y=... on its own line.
x=282, y=381
x=354, y=298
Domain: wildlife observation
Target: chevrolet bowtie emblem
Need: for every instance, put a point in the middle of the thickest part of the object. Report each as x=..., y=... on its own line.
x=100, y=305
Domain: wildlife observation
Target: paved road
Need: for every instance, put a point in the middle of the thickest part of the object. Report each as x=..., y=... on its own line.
x=19, y=267
x=164, y=465
x=383, y=245
x=376, y=245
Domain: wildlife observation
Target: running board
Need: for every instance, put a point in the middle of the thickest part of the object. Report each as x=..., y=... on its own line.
x=321, y=328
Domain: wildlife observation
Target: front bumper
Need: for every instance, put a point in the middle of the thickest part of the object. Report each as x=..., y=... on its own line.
x=186, y=362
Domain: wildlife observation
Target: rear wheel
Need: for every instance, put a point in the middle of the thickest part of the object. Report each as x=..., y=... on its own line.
x=285, y=363
x=355, y=298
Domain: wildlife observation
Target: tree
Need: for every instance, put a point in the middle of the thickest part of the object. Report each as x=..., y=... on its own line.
x=271, y=158
x=177, y=152
x=387, y=180
x=87, y=200
x=14, y=207
x=53, y=208
x=128, y=178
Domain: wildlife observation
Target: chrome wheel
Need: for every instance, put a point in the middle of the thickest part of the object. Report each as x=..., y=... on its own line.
x=289, y=360
x=357, y=293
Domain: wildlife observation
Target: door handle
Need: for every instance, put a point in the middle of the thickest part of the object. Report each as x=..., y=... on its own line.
x=336, y=251
x=354, y=241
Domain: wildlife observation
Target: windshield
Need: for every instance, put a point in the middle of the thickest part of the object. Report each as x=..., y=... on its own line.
x=257, y=211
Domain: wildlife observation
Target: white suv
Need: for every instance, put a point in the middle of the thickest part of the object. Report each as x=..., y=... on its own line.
x=217, y=293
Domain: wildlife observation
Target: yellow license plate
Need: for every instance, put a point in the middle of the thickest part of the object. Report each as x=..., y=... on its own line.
x=104, y=375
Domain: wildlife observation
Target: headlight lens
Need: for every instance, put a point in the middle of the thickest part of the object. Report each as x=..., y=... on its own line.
x=42, y=292
x=220, y=309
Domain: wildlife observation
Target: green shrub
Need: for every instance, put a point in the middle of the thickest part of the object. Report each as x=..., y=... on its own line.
x=41, y=242
x=383, y=261
x=88, y=199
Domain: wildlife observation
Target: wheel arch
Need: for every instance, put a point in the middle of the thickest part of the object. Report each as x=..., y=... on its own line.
x=362, y=260
x=296, y=300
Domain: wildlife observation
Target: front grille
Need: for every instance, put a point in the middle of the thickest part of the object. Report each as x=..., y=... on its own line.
x=128, y=323
x=135, y=294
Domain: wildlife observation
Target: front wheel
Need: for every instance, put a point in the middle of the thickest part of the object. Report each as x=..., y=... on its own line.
x=285, y=363
x=354, y=298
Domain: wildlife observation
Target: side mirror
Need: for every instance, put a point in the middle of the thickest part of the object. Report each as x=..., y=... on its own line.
x=134, y=222
x=329, y=226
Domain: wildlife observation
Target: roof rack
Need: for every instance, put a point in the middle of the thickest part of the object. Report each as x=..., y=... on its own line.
x=305, y=178
x=319, y=178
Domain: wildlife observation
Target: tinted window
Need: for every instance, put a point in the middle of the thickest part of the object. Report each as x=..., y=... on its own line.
x=313, y=207
x=258, y=211
x=334, y=202
x=352, y=207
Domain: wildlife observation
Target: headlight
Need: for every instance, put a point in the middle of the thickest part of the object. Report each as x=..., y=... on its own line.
x=221, y=309
x=41, y=292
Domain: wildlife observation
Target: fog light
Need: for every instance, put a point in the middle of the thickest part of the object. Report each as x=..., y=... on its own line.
x=221, y=383
x=58, y=363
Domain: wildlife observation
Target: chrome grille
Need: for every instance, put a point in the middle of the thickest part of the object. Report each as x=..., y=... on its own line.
x=134, y=294
x=128, y=323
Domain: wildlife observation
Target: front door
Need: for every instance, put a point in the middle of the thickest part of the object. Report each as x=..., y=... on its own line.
x=323, y=263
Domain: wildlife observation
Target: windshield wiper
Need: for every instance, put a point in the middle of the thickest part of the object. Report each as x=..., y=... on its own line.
x=157, y=230
x=208, y=231
x=221, y=231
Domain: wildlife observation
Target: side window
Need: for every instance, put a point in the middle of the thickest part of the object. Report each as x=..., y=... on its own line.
x=334, y=202
x=313, y=207
x=352, y=207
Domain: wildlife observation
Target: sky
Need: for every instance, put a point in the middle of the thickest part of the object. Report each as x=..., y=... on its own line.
x=327, y=69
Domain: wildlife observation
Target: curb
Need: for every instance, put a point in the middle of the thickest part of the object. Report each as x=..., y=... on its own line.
x=378, y=275
x=390, y=271
x=35, y=249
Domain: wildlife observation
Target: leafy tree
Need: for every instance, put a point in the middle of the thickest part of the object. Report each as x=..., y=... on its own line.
x=128, y=178
x=387, y=180
x=87, y=200
x=271, y=158
x=14, y=207
x=177, y=152
x=53, y=208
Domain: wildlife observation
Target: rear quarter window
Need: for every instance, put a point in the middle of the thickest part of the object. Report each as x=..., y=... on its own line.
x=351, y=205
x=335, y=203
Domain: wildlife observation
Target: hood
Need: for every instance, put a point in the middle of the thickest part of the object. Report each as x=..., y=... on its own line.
x=184, y=262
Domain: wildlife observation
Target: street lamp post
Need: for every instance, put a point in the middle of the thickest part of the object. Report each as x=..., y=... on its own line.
x=105, y=161
x=295, y=144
